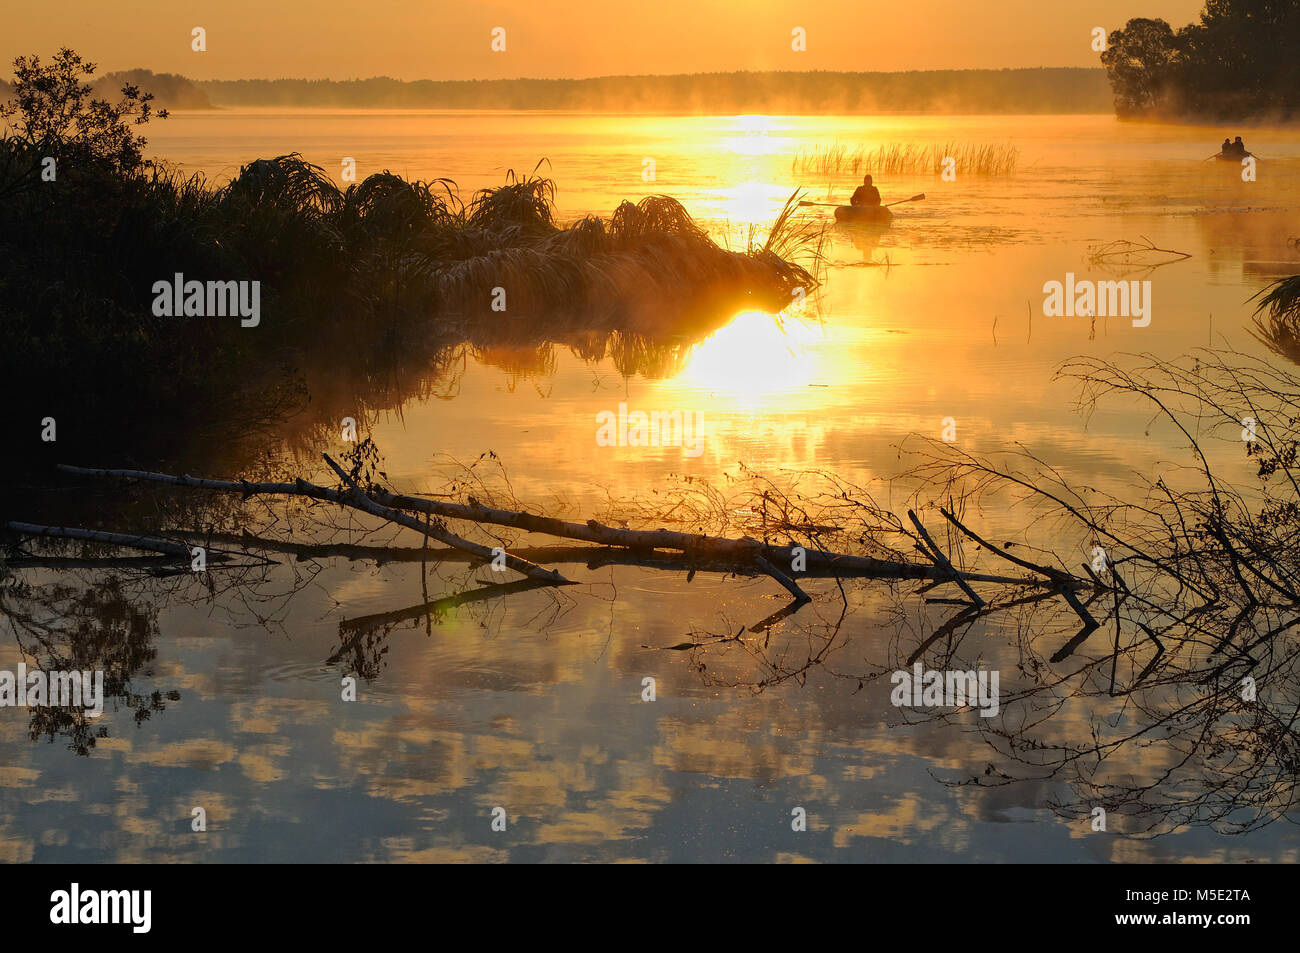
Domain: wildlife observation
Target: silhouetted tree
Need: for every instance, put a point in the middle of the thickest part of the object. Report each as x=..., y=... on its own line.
x=52, y=108
x=1140, y=62
x=1238, y=60
x=1241, y=57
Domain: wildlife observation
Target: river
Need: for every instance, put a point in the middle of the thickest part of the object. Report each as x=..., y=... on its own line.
x=534, y=703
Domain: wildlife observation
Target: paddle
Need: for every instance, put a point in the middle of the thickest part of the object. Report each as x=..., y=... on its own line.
x=914, y=198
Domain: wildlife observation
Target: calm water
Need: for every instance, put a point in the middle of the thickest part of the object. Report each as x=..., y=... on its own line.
x=533, y=702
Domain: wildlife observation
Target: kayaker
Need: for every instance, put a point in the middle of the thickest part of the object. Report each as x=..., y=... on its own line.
x=1239, y=147
x=866, y=194
x=1226, y=148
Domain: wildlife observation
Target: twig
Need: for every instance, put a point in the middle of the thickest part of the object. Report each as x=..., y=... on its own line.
x=361, y=501
x=942, y=560
x=790, y=585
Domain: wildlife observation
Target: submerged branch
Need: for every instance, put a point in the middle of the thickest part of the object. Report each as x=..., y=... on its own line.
x=743, y=555
x=152, y=544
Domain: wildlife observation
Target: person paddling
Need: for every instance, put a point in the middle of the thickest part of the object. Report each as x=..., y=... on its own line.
x=1226, y=148
x=1239, y=147
x=866, y=194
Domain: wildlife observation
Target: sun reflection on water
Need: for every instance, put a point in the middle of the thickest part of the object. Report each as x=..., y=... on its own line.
x=756, y=357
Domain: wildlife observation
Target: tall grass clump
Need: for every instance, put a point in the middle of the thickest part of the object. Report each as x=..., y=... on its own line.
x=1277, y=319
x=911, y=158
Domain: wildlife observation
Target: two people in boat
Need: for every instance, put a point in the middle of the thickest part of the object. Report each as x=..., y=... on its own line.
x=1233, y=150
x=866, y=194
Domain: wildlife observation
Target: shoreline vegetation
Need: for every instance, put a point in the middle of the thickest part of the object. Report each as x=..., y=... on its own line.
x=1009, y=91
x=1237, y=62
x=385, y=273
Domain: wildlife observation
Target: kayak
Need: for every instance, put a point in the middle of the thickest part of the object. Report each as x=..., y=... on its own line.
x=864, y=214
x=1233, y=158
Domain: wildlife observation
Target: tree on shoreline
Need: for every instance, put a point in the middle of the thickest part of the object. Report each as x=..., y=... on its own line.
x=1139, y=60
x=1239, y=60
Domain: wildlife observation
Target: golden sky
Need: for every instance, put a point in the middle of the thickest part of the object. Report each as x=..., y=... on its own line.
x=424, y=39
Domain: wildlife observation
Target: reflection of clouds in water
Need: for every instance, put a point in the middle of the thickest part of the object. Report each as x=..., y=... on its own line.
x=19, y=848
x=203, y=754
x=550, y=726
x=903, y=821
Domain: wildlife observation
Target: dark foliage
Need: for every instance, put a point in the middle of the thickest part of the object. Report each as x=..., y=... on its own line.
x=1239, y=60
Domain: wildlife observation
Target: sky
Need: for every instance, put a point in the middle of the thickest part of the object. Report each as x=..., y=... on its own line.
x=424, y=39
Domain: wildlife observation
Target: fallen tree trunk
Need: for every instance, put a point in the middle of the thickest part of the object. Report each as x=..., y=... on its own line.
x=593, y=557
x=356, y=497
x=149, y=543
x=743, y=555
x=353, y=498
x=743, y=549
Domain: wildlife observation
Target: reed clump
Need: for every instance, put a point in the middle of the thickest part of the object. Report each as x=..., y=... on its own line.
x=378, y=249
x=1277, y=319
x=365, y=280
x=971, y=158
x=364, y=273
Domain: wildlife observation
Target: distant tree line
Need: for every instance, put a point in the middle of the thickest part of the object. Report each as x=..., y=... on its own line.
x=1008, y=91
x=169, y=91
x=1242, y=59
x=1059, y=90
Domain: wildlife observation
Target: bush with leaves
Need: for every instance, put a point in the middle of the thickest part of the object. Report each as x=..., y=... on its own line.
x=52, y=110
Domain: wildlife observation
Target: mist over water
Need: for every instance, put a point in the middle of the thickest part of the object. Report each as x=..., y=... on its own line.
x=536, y=704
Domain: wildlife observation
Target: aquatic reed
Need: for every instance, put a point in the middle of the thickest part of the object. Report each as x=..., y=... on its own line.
x=910, y=158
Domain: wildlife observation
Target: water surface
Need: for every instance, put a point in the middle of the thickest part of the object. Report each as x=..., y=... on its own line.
x=534, y=702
